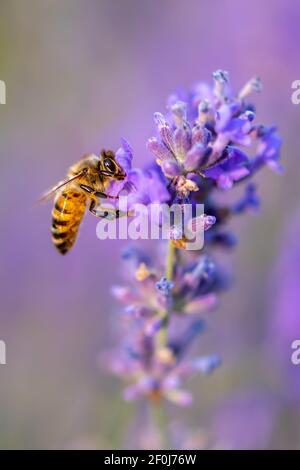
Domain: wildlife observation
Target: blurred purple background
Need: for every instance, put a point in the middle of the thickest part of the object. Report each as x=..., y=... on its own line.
x=80, y=75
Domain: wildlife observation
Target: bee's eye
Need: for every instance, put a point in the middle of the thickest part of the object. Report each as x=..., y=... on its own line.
x=110, y=165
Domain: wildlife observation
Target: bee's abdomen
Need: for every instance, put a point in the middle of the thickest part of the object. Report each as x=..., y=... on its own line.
x=67, y=214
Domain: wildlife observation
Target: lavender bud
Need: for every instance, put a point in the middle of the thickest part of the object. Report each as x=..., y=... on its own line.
x=221, y=78
x=182, y=140
x=253, y=85
x=194, y=157
x=159, y=150
x=164, y=131
x=164, y=286
x=179, y=112
x=170, y=168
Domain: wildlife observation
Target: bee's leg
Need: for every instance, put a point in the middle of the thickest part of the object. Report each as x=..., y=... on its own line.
x=97, y=194
x=107, y=213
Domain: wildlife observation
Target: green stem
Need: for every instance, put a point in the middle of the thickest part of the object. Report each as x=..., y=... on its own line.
x=170, y=260
x=162, y=338
x=158, y=411
x=120, y=416
x=159, y=418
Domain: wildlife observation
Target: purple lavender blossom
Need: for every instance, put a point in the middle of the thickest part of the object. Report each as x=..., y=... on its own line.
x=160, y=371
x=201, y=149
x=203, y=132
x=143, y=186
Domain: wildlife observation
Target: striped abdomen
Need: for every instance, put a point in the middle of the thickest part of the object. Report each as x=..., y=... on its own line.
x=67, y=214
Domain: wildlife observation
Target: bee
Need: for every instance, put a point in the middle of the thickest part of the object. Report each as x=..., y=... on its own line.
x=86, y=184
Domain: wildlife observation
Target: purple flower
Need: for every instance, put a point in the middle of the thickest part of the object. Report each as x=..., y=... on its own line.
x=165, y=286
x=149, y=186
x=124, y=155
x=157, y=372
x=140, y=186
x=233, y=168
x=202, y=131
x=268, y=151
x=202, y=146
x=249, y=200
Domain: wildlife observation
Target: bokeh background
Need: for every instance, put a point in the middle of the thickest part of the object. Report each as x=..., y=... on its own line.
x=80, y=75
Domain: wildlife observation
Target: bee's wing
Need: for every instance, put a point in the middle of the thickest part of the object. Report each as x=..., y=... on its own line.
x=49, y=194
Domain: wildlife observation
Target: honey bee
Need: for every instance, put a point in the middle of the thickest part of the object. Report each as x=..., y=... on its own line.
x=86, y=183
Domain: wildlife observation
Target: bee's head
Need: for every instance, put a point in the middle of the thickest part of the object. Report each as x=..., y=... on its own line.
x=109, y=167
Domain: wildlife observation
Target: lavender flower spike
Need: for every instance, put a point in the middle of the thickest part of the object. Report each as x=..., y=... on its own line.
x=201, y=149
